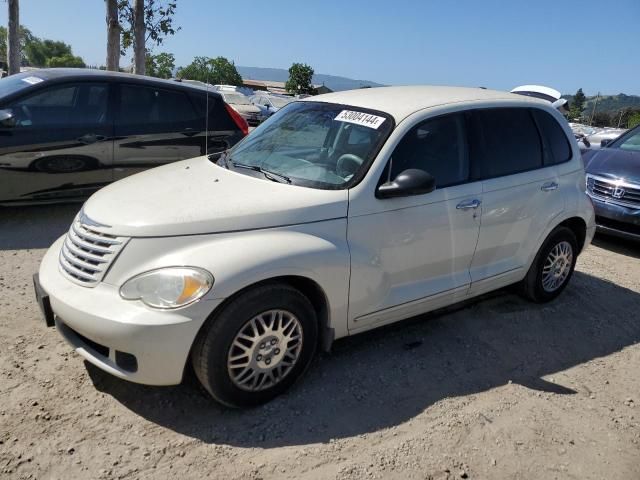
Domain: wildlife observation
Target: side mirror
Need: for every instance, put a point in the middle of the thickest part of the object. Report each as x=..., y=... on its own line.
x=605, y=142
x=409, y=182
x=7, y=119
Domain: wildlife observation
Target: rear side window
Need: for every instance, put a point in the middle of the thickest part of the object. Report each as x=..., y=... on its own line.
x=436, y=146
x=504, y=141
x=142, y=105
x=559, y=149
x=63, y=106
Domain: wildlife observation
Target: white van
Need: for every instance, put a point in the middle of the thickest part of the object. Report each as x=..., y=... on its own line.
x=339, y=214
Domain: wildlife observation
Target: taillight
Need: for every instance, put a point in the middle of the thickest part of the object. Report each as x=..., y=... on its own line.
x=237, y=118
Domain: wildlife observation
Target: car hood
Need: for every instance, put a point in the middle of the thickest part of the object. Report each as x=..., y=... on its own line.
x=195, y=196
x=614, y=163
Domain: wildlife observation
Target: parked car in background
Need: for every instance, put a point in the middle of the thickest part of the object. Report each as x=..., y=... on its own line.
x=613, y=183
x=602, y=136
x=270, y=104
x=239, y=102
x=334, y=217
x=65, y=133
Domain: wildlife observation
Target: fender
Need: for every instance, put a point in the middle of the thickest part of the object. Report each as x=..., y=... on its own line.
x=317, y=251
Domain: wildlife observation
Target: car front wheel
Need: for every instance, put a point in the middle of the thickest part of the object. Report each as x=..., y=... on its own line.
x=257, y=346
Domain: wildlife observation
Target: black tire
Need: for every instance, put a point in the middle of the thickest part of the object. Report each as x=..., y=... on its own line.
x=532, y=286
x=213, y=345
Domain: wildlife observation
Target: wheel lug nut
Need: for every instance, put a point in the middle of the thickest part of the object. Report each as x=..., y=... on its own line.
x=267, y=361
x=273, y=342
x=277, y=351
x=262, y=345
x=259, y=357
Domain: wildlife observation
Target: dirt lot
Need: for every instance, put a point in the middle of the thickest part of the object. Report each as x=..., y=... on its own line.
x=498, y=389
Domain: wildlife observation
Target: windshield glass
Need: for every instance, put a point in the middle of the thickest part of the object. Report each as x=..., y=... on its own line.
x=628, y=141
x=236, y=99
x=15, y=83
x=319, y=145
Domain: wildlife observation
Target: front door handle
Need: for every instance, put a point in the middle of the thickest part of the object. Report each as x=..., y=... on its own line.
x=468, y=204
x=549, y=186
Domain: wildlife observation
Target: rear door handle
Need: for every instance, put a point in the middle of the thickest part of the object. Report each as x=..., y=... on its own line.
x=468, y=204
x=549, y=186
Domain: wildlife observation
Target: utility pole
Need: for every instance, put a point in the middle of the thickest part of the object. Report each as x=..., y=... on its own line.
x=595, y=104
x=13, y=38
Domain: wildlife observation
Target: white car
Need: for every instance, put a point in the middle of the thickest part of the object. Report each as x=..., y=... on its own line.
x=337, y=215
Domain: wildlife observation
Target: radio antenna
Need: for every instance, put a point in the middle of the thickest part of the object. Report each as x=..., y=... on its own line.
x=206, y=120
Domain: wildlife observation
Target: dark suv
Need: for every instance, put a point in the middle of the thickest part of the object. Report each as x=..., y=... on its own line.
x=613, y=183
x=65, y=133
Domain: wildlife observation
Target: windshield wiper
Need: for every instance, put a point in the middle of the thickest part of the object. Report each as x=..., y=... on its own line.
x=267, y=173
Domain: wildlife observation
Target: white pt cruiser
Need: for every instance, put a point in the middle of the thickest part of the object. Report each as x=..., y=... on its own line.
x=339, y=214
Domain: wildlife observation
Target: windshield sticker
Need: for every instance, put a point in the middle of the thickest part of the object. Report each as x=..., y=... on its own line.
x=32, y=80
x=359, y=118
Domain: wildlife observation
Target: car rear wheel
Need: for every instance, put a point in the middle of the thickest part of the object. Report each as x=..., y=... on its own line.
x=257, y=346
x=553, y=266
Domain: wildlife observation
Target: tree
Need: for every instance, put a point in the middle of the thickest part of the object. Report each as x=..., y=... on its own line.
x=160, y=65
x=577, y=105
x=38, y=51
x=25, y=37
x=13, y=38
x=113, y=36
x=66, y=60
x=144, y=21
x=300, y=75
x=601, y=119
x=217, y=71
x=634, y=119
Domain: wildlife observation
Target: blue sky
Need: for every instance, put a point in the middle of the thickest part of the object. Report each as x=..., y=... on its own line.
x=565, y=44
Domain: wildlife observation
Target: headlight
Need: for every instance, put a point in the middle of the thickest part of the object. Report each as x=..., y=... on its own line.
x=170, y=287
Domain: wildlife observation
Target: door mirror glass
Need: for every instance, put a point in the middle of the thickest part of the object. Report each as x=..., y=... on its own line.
x=604, y=142
x=408, y=182
x=7, y=119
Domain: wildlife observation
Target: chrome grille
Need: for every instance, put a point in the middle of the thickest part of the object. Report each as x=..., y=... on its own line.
x=614, y=191
x=86, y=254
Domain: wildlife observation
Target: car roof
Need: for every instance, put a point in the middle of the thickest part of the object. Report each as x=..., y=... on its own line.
x=400, y=102
x=95, y=74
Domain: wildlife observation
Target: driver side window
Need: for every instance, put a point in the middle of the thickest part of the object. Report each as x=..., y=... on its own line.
x=437, y=146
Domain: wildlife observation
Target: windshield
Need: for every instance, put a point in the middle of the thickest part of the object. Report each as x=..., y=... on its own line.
x=628, y=141
x=319, y=145
x=236, y=99
x=15, y=83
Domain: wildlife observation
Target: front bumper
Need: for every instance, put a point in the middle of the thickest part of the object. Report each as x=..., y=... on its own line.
x=124, y=338
x=616, y=219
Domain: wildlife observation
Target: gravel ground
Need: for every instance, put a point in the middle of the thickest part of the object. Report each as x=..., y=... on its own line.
x=499, y=388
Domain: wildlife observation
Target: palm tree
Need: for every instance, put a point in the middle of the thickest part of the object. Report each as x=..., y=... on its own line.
x=139, y=33
x=113, y=36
